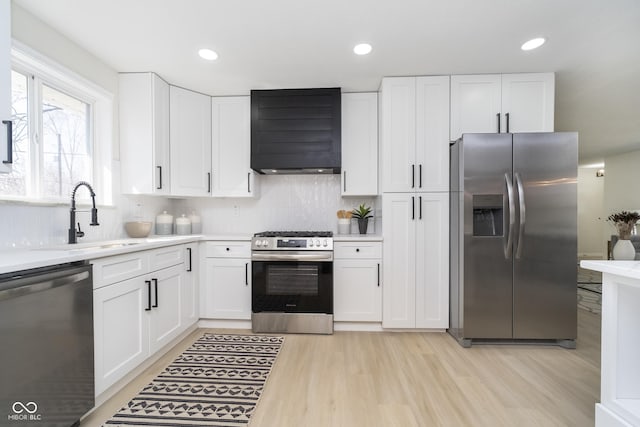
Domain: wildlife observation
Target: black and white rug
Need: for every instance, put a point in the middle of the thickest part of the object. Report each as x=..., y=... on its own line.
x=215, y=382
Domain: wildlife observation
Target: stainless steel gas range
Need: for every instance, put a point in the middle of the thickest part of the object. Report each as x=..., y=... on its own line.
x=292, y=282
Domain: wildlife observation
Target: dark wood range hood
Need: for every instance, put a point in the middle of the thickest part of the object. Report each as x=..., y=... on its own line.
x=296, y=131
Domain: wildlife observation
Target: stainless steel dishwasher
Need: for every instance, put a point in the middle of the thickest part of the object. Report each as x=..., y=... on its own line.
x=46, y=346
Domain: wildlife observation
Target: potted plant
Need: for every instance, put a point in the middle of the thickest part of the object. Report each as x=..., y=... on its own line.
x=624, y=222
x=362, y=213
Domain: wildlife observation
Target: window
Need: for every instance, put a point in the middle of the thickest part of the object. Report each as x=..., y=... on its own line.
x=61, y=133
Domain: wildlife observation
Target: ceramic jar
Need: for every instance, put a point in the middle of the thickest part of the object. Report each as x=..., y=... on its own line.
x=164, y=223
x=196, y=223
x=183, y=225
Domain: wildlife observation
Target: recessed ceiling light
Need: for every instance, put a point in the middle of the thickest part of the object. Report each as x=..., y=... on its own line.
x=533, y=43
x=208, y=54
x=362, y=49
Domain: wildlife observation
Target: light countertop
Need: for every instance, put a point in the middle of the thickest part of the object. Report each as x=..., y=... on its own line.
x=629, y=269
x=26, y=258
x=357, y=238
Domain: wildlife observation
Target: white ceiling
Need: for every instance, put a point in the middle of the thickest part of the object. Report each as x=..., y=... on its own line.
x=593, y=46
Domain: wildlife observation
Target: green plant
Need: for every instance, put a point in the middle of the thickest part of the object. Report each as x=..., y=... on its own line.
x=362, y=212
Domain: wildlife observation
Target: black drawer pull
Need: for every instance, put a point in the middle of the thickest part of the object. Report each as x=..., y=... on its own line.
x=357, y=249
x=148, y=282
x=155, y=286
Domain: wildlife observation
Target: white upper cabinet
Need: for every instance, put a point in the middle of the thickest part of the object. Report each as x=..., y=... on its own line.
x=144, y=134
x=415, y=129
x=499, y=103
x=231, y=175
x=528, y=102
x=5, y=87
x=359, y=144
x=190, y=141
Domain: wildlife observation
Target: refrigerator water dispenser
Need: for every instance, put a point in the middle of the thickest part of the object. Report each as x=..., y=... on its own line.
x=487, y=215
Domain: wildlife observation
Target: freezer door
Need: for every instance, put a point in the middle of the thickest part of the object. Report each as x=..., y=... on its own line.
x=545, y=178
x=487, y=275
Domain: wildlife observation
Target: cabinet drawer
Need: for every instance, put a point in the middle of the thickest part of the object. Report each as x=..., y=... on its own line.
x=166, y=257
x=118, y=268
x=228, y=250
x=357, y=250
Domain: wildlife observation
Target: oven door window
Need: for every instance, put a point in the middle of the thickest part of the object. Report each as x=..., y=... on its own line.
x=301, y=279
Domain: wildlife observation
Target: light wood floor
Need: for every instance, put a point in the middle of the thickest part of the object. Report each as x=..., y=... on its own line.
x=416, y=379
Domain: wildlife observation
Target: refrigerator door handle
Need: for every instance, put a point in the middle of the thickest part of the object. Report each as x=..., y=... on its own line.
x=523, y=215
x=512, y=216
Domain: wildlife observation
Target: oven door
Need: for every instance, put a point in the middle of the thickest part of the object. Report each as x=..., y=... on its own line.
x=292, y=282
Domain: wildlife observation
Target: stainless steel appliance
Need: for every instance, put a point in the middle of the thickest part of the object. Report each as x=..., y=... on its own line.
x=46, y=331
x=513, y=237
x=292, y=282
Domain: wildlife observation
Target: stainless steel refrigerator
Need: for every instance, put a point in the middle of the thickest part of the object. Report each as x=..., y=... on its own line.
x=513, y=238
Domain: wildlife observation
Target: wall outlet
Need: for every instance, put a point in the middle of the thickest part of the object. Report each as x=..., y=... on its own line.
x=236, y=211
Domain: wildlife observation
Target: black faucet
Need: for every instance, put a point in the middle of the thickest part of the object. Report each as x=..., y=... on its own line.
x=73, y=234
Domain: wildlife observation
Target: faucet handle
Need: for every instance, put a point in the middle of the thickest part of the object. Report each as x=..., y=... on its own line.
x=94, y=216
x=79, y=233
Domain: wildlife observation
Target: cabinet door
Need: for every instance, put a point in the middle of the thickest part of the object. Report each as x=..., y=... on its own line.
x=432, y=261
x=528, y=99
x=231, y=147
x=121, y=330
x=398, y=128
x=166, y=318
x=226, y=293
x=399, y=261
x=144, y=133
x=189, y=296
x=359, y=144
x=475, y=104
x=357, y=290
x=432, y=133
x=5, y=82
x=190, y=142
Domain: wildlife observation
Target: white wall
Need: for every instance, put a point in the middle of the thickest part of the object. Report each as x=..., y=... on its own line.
x=621, y=186
x=590, y=214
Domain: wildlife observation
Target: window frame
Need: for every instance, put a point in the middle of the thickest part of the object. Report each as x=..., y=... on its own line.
x=47, y=72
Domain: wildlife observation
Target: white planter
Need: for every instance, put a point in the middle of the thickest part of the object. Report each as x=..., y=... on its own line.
x=624, y=250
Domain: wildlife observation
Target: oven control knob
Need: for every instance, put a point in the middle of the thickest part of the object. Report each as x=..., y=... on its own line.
x=310, y=243
x=317, y=242
x=324, y=243
x=265, y=243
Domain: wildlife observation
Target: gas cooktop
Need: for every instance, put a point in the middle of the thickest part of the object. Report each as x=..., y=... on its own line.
x=294, y=234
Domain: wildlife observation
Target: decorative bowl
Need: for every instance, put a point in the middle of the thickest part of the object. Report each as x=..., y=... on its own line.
x=138, y=228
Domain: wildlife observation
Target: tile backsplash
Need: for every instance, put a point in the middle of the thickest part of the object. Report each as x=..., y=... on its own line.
x=286, y=202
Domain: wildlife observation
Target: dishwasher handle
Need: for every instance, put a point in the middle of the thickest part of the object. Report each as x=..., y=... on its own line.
x=29, y=282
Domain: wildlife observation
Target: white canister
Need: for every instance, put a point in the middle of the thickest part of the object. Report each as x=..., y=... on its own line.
x=196, y=223
x=183, y=225
x=164, y=223
x=344, y=226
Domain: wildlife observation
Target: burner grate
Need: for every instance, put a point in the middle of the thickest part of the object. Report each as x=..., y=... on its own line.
x=294, y=234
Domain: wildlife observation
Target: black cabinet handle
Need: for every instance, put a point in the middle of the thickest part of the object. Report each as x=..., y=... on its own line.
x=155, y=286
x=9, y=125
x=190, y=261
x=378, y=274
x=148, y=282
x=420, y=207
x=227, y=249
x=248, y=182
x=159, y=187
x=420, y=176
x=357, y=249
x=208, y=182
x=246, y=274
x=413, y=207
x=344, y=181
x=507, y=116
x=498, y=117
x=413, y=176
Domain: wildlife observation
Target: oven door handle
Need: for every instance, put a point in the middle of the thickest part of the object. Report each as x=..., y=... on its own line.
x=287, y=256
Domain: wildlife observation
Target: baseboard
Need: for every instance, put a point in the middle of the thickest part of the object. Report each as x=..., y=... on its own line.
x=224, y=324
x=358, y=326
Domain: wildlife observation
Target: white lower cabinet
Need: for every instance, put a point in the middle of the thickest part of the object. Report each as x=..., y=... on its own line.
x=357, y=282
x=225, y=288
x=121, y=330
x=416, y=250
x=139, y=310
x=189, y=297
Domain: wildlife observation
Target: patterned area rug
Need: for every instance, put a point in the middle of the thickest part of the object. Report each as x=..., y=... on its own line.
x=215, y=382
